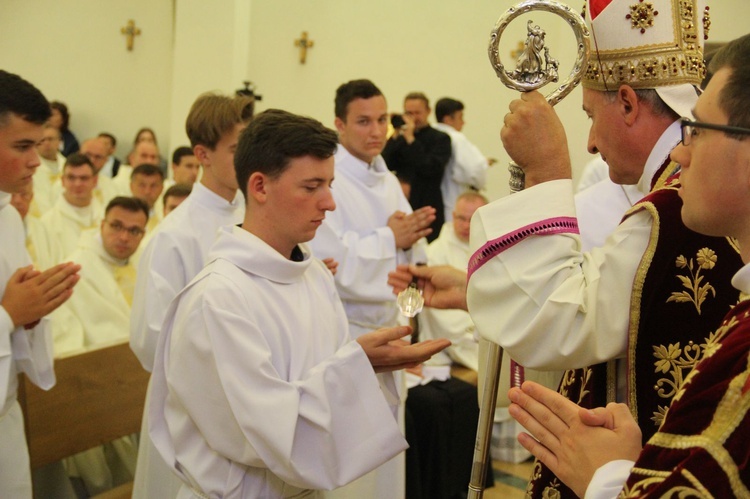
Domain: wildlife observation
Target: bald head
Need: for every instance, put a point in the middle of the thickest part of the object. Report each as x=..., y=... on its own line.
x=97, y=150
x=466, y=204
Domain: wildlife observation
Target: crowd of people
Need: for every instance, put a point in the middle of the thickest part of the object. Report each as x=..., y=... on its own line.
x=254, y=278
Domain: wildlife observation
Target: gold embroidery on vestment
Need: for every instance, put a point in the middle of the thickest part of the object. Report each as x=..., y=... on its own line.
x=697, y=292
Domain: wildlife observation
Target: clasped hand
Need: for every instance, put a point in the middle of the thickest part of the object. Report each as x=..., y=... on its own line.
x=31, y=294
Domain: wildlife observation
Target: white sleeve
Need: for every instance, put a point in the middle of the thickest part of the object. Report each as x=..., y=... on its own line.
x=162, y=273
x=6, y=354
x=540, y=290
x=336, y=407
x=33, y=353
x=609, y=479
x=470, y=164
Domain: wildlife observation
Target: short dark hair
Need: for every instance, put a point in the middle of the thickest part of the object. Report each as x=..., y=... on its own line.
x=181, y=152
x=178, y=191
x=147, y=170
x=447, y=107
x=107, y=135
x=19, y=97
x=273, y=138
x=351, y=90
x=734, y=98
x=127, y=203
x=212, y=116
x=418, y=96
x=64, y=114
x=77, y=159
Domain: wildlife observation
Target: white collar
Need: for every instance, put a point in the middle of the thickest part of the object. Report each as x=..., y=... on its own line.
x=659, y=154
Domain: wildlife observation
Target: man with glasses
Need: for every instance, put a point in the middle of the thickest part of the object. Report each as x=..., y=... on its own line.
x=105, y=293
x=73, y=212
x=100, y=308
x=638, y=310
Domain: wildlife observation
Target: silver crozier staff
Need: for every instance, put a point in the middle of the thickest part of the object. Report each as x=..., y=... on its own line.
x=534, y=69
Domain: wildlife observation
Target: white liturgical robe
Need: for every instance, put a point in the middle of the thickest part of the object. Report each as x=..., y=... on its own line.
x=257, y=389
x=175, y=254
x=21, y=350
x=106, y=189
x=357, y=236
x=545, y=291
x=99, y=303
x=63, y=225
x=47, y=185
x=467, y=169
x=599, y=209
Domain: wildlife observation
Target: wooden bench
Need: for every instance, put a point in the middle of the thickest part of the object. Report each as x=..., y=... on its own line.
x=98, y=397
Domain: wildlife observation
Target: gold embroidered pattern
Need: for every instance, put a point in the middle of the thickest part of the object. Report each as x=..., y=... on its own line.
x=706, y=260
x=649, y=66
x=674, y=361
x=569, y=377
x=642, y=16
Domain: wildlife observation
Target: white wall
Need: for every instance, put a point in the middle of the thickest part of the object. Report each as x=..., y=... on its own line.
x=73, y=51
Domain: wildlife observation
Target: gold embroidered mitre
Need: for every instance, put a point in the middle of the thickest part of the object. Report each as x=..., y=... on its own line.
x=646, y=43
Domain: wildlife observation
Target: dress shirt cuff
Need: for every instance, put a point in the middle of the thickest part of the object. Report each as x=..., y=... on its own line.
x=609, y=479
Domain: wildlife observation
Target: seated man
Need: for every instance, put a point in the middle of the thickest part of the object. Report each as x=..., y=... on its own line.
x=452, y=248
x=101, y=308
x=143, y=152
x=273, y=399
x=104, y=294
x=185, y=170
x=147, y=184
x=174, y=196
x=97, y=150
x=47, y=176
x=75, y=211
x=700, y=449
x=112, y=165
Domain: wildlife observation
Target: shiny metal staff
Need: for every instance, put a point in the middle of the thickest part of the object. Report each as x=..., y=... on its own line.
x=534, y=69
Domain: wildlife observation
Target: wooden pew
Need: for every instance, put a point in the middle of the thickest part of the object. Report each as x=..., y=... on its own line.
x=98, y=397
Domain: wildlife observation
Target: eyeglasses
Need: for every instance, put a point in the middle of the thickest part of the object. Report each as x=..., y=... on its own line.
x=133, y=231
x=688, y=129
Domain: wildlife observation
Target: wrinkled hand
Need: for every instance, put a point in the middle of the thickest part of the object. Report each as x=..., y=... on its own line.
x=408, y=229
x=331, y=264
x=387, y=350
x=559, y=438
x=442, y=286
x=535, y=139
x=30, y=294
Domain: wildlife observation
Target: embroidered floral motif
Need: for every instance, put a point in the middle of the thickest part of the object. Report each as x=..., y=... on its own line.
x=706, y=260
x=679, y=364
x=552, y=490
x=642, y=16
x=676, y=362
x=569, y=377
